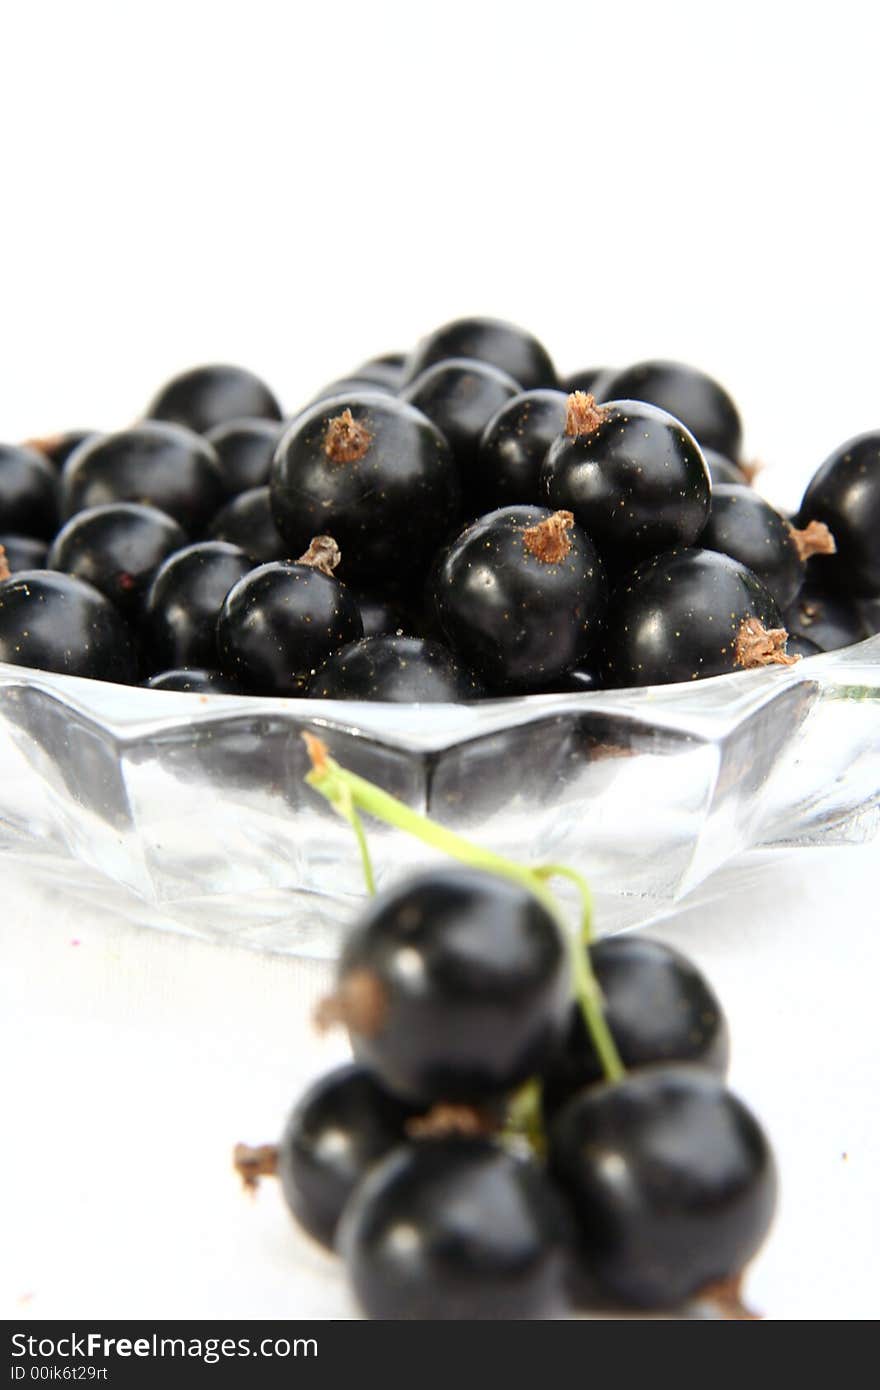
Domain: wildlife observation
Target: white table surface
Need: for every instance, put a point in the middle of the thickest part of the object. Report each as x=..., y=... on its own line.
x=134, y=1060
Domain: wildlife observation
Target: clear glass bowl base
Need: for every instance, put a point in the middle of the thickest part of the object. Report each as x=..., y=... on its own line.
x=191, y=813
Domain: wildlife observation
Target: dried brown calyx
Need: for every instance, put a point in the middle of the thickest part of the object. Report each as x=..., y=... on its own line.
x=726, y=1299
x=346, y=440
x=252, y=1162
x=359, y=1003
x=323, y=554
x=443, y=1119
x=582, y=414
x=5, y=571
x=757, y=645
x=813, y=539
x=549, y=540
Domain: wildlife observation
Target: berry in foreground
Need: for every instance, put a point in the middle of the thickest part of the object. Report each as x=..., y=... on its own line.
x=453, y=987
x=633, y=477
x=845, y=495
x=373, y=472
x=658, y=1007
x=456, y=1229
x=699, y=402
x=205, y=397
x=672, y=1182
x=340, y=1128
x=282, y=621
x=502, y=345
x=521, y=597
x=57, y=623
x=689, y=614
x=117, y=548
x=401, y=670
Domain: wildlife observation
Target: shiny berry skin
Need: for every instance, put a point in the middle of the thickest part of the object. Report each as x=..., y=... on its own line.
x=401, y=670
x=343, y=1125
x=57, y=623
x=23, y=553
x=845, y=494
x=205, y=397
x=372, y=472
x=498, y=344
x=521, y=597
x=461, y=397
x=633, y=477
x=456, y=1229
x=386, y=371
x=671, y=1179
x=686, y=615
x=722, y=470
x=193, y=680
x=513, y=446
x=247, y=521
x=699, y=402
x=117, y=548
x=457, y=983
x=244, y=450
x=184, y=603
x=28, y=492
x=659, y=1008
x=830, y=621
x=381, y=617
x=280, y=623
x=163, y=466
x=745, y=527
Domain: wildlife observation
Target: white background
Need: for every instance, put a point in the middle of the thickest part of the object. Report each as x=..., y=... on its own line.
x=297, y=188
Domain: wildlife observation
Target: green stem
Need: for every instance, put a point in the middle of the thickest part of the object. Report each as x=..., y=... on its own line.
x=349, y=794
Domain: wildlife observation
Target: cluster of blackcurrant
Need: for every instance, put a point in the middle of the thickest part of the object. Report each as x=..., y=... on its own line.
x=533, y=1122
x=446, y=525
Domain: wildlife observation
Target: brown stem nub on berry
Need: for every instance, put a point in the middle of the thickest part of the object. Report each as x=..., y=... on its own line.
x=359, y=1003
x=346, y=440
x=757, y=645
x=323, y=554
x=5, y=571
x=814, y=539
x=582, y=414
x=443, y=1120
x=254, y=1162
x=726, y=1299
x=549, y=540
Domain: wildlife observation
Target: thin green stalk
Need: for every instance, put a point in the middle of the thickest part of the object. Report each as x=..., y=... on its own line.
x=349, y=794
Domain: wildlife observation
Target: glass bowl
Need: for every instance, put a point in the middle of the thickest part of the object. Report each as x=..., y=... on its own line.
x=190, y=812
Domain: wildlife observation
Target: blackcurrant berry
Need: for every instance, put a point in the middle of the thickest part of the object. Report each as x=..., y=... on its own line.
x=373, y=472
x=117, y=548
x=745, y=527
x=22, y=553
x=205, y=397
x=699, y=402
x=247, y=521
x=244, y=449
x=57, y=623
x=672, y=1181
x=381, y=617
x=401, y=670
x=658, y=1007
x=164, y=466
x=845, y=494
x=521, y=597
x=689, y=614
x=280, y=623
x=340, y=1128
x=585, y=380
x=387, y=370
x=501, y=345
x=456, y=1229
x=453, y=985
x=513, y=446
x=57, y=448
x=723, y=470
x=461, y=397
x=829, y=620
x=633, y=477
x=801, y=646
x=28, y=492
x=195, y=681
x=185, y=599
